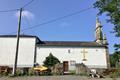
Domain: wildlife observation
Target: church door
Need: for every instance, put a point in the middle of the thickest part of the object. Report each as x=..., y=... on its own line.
x=65, y=66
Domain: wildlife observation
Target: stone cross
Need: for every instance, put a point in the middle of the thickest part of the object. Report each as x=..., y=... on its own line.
x=84, y=54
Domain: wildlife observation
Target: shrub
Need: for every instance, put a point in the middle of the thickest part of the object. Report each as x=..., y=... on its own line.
x=18, y=72
x=72, y=72
x=115, y=74
x=4, y=74
x=31, y=72
x=50, y=61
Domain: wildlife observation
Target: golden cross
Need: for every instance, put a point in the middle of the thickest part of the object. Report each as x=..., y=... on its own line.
x=84, y=56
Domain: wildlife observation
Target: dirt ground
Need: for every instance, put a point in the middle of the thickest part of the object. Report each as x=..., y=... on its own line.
x=66, y=77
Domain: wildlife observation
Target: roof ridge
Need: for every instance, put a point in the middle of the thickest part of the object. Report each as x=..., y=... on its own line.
x=69, y=41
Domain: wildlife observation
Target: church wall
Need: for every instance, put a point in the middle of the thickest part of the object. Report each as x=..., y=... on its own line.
x=96, y=56
x=25, y=55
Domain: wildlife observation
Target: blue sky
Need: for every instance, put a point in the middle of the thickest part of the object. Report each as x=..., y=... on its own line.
x=80, y=27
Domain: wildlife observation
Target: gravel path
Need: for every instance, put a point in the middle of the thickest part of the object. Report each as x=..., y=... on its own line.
x=67, y=77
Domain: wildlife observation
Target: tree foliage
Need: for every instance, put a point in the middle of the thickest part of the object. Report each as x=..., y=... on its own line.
x=50, y=61
x=114, y=59
x=112, y=9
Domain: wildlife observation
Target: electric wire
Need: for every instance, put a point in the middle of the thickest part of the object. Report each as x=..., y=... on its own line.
x=54, y=20
x=12, y=10
x=17, y=9
x=27, y=4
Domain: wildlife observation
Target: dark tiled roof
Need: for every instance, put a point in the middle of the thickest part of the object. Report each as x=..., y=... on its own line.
x=71, y=43
x=25, y=36
x=60, y=43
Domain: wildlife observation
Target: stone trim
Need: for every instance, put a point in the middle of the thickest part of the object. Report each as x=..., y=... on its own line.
x=107, y=57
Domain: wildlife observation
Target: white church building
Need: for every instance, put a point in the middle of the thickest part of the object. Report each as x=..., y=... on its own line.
x=94, y=54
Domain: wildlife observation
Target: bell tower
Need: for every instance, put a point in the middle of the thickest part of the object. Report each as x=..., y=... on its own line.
x=101, y=39
x=98, y=32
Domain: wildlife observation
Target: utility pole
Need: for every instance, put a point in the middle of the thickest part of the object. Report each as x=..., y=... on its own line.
x=17, y=46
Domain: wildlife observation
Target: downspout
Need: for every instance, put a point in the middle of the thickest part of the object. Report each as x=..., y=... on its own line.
x=35, y=53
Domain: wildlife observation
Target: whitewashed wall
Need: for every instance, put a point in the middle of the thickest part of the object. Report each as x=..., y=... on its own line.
x=26, y=51
x=96, y=57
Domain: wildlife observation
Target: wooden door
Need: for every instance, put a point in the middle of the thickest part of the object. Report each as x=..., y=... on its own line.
x=65, y=66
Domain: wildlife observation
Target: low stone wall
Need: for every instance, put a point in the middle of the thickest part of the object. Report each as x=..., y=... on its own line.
x=81, y=68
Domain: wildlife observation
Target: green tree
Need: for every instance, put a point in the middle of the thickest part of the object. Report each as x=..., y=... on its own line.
x=50, y=61
x=114, y=59
x=112, y=9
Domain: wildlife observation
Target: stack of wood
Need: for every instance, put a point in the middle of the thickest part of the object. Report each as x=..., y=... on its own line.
x=57, y=69
x=4, y=69
x=81, y=68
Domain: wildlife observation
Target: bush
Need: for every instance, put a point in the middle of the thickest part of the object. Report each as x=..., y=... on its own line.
x=31, y=72
x=72, y=72
x=115, y=74
x=18, y=72
x=48, y=72
x=50, y=61
x=112, y=73
x=4, y=74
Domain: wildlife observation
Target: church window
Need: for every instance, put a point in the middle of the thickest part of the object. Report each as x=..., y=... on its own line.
x=72, y=63
x=69, y=51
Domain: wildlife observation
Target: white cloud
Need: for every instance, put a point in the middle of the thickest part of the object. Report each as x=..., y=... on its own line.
x=26, y=14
